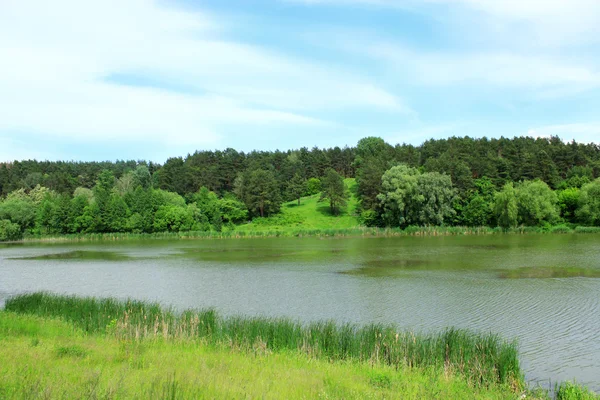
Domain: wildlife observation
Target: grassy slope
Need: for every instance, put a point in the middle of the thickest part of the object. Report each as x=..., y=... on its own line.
x=311, y=214
x=46, y=358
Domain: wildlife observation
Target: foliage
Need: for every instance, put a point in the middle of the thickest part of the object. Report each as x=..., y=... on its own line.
x=35, y=193
x=9, y=230
x=399, y=187
x=478, y=212
x=411, y=198
x=433, y=200
x=536, y=203
x=297, y=187
x=232, y=210
x=589, y=203
x=568, y=202
x=175, y=218
x=506, y=209
x=334, y=190
x=313, y=186
x=20, y=210
x=259, y=190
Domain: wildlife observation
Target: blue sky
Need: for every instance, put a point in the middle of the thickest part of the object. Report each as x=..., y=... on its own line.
x=142, y=79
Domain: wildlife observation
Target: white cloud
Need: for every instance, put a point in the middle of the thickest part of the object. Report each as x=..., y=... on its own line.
x=588, y=132
x=493, y=68
x=56, y=57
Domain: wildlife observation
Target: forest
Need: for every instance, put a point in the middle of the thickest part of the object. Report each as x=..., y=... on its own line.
x=459, y=181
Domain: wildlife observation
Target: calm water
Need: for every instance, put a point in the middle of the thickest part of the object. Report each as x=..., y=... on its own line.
x=512, y=285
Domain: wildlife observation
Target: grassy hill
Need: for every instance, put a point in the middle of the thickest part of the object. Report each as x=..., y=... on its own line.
x=310, y=214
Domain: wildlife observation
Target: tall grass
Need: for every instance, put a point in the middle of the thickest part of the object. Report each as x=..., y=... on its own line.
x=483, y=359
x=573, y=391
x=587, y=229
x=317, y=232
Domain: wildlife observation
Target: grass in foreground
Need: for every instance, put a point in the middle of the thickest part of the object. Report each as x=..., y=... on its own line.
x=108, y=351
x=481, y=359
x=48, y=358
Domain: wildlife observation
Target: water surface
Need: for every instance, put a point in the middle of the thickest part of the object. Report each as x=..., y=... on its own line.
x=543, y=290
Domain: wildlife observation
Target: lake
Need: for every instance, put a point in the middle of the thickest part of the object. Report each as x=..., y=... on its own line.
x=543, y=290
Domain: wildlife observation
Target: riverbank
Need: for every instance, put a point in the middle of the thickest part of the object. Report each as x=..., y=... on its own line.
x=62, y=345
x=289, y=232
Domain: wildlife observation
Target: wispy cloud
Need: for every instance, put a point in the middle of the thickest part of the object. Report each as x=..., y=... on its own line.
x=550, y=22
x=487, y=67
x=58, y=60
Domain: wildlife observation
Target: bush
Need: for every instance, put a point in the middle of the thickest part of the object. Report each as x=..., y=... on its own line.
x=313, y=186
x=9, y=231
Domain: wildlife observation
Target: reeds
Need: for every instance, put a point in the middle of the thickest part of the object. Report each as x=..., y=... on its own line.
x=322, y=232
x=483, y=359
x=587, y=229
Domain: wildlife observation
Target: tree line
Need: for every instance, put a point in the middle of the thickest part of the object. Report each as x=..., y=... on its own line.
x=456, y=181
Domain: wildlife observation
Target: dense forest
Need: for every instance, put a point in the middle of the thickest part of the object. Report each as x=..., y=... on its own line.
x=456, y=181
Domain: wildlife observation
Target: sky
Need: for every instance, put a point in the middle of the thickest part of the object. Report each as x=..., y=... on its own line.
x=148, y=80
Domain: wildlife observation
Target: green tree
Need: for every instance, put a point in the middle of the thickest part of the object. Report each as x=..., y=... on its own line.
x=233, y=211
x=9, y=231
x=506, y=209
x=409, y=197
x=260, y=191
x=176, y=218
x=398, y=188
x=334, y=190
x=77, y=207
x=142, y=177
x=589, y=203
x=478, y=207
x=126, y=183
x=313, y=186
x=19, y=210
x=102, y=194
x=117, y=213
x=373, y=158
x=536, y=202
x=477, y=212
x=296, y=188
x=432, y=204
x=45, y=216
x=568, y=202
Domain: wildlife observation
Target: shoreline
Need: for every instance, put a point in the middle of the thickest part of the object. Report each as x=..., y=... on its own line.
x=319, y=233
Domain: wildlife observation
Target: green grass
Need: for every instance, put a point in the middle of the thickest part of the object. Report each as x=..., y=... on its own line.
x=481, y=359
x=587, y=229
x=311, y=214
x=62, y=362
x=573, y=391
x=43, y=355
